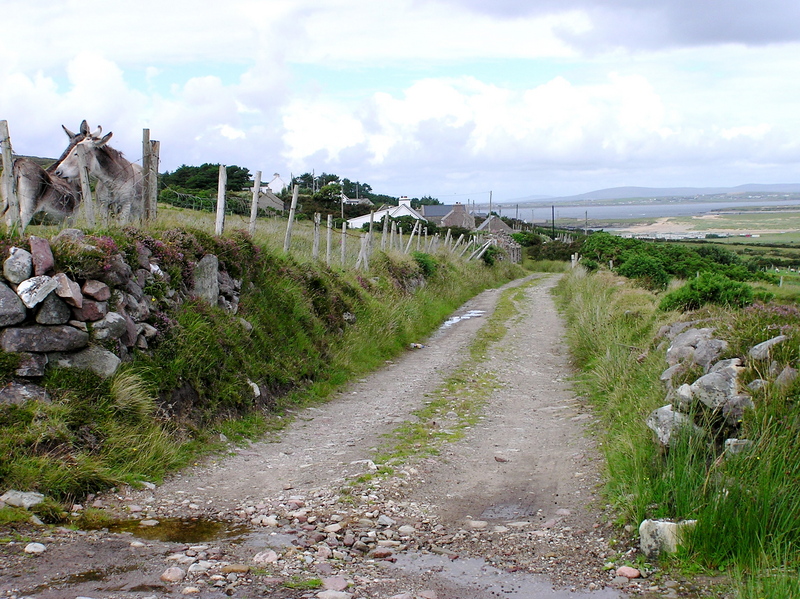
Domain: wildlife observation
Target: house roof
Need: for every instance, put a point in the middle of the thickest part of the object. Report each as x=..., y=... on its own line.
x=493, y=223
x=393, y=211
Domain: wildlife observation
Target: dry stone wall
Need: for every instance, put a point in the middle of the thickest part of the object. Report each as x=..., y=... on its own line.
x=50, y=319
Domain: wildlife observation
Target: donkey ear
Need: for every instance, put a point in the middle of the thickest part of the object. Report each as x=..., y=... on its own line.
x=97, y=132
x=85, y=127
x=69, y=133
x=103, y=141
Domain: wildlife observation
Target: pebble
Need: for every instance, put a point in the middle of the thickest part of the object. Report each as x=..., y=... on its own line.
x=149, y=523
x=265, y=557
x=34, y=548
x=334, y=583
x=173, y=574
x=190, y=591
x=385, y=520
x=330, y=594
x=628, y=572
x=236, y=569
x=477, y=524
x=406, y=530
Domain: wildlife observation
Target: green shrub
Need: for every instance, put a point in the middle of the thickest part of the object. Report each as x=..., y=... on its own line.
x=708, y=288
x=427, y=263
x=646, y=269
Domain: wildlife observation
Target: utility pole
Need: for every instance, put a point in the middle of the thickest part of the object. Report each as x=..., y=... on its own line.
x=553, y=220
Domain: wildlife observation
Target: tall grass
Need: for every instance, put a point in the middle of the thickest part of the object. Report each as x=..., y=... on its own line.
x=747, y=506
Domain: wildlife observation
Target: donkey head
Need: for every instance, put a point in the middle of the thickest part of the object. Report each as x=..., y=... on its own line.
x=68, y=165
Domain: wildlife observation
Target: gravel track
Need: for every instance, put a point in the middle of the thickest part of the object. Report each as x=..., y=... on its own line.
x=508, y=510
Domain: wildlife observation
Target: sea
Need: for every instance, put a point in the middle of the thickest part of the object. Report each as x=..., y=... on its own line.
x=541, y=212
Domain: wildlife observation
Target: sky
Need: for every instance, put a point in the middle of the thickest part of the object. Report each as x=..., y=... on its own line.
x=448, y=98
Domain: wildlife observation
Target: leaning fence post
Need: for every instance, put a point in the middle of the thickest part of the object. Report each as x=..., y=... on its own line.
x=287, y=242
x=7, y=187
x=219, y=225
x=384, y=231
x=254, y=203
x=86, y=191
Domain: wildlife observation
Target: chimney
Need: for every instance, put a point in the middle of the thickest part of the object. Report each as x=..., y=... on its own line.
x=404, y=201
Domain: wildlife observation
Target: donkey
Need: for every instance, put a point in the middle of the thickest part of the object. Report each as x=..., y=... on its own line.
x=119, y=182
x=41, y=190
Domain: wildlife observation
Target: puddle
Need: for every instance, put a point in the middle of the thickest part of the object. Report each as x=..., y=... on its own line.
x=508, y=511
x=456, y=319
x=176, y=530
x=476, y=576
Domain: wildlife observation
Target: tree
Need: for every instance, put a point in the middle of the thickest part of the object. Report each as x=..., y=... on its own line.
x=206, y=177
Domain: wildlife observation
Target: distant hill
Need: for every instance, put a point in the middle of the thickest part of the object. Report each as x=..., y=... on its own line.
x=621, y=193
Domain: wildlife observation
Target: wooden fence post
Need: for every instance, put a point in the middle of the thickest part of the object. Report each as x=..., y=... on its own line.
x=369, y=235
x=219, y=225
x=7, y=185
x=384, y=231
x=152, y=200
x=344, y=242
x=315, y=246
x=391, y=236
x=329, y=240
x=254, y=204
x=287, y=242
x=86, y=191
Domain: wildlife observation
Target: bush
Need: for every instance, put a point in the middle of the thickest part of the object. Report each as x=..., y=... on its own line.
x=427, y=263
x=650, y=271
x=708, y=288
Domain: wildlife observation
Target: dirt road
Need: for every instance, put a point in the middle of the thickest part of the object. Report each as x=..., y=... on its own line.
x=507, y=510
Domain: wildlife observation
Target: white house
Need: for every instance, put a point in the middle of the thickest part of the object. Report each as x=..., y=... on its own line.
x=402, y=209
x=276, y=186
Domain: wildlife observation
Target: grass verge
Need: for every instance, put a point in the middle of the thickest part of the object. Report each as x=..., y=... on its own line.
x=747, y=506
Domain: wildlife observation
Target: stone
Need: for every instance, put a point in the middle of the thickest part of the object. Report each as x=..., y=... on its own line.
x=733, y=410
x=31, y=364
x=40, y=339
x=628, y=572
x=19, y=393
x=94, y=358
x=737, y=446
x=173, y=574
x=684, y=344
x=762, y=350
x=477, y=524
x=53, y=310
x=385, y=520
x=25, y=500
x=42, y=256
x=36, y=289
x=707, y=351
x=113, y=325
x=714, y=389
x=91, y=310
x=786, y=377
x=333, y=528
x=118, y=273
x=12, y=310
x=666, y=376
x=18, y=266
x=265, y=557
x=334, y=583
x=190, y=591
x=380, y=553
x=331, y=594
x=96, y=290
x=236, y=569
x=428, y=594
x=659, y=536
x=757, y=384
x=206, y=281
x=35, y=548
x=683, y=397
x=407, y=530
x=68, y=290
x=69, y=236
x=131, y=334
x=666, y=422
